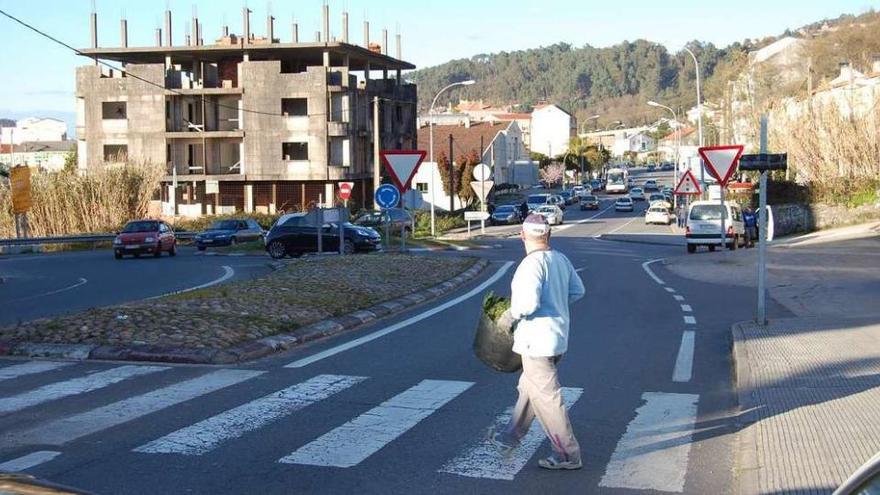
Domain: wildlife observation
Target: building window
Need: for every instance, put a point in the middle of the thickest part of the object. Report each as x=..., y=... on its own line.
x=295, y=107
x=422, y=187
x=295, y=151
x=115, y=153
x=111, y=110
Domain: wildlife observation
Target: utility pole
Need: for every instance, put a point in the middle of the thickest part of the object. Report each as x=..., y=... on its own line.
x=762, y=234
x=377, y=136
x=451, y=178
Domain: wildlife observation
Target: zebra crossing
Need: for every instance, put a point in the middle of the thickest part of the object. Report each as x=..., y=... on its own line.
x=657, y=439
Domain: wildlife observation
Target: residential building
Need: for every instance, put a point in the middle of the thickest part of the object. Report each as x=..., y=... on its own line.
x=684, y=140
x=523, y=120
x=638, y=142
x=499, y=145
x=551, y=130
x=246, y=123
x=43, y=156
x=34, y=129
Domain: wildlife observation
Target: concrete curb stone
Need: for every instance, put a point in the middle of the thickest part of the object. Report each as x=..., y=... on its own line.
x=746, y=468
x=243, y=352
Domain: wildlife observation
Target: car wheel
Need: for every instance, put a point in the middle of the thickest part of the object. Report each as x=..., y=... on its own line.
x=201, y=248
x=276, y=249
x=117, y=255
x=137, y=255
x=348, y=247
x=173, y=251
x=733, y=245
x=712, y=247
x=158, y=251
x=692, y=248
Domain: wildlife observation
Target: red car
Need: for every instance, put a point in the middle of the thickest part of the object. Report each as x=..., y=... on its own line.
x=145, y=237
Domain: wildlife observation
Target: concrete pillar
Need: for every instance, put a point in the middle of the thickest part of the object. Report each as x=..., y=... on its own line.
x=270, y=28
x=123, y=32
x=168, y=39
x=326, y=22
x=158, y=36
x=366, y=34
x=225, y=31
x=295, y=31
x=93, y=24
x=329, y=195
x=195, y=30
x=248, y=198
x=246, y=14
x=399, y=56
x=345, y=27
x=384, y=42
x=317, y=36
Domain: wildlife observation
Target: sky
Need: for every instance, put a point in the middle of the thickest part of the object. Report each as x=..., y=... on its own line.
x=38, y=76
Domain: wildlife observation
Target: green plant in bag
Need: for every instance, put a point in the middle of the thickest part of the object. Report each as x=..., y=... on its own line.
x=494, y=306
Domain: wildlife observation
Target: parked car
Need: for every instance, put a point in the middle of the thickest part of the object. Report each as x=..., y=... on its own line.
x=652, y=167
x=397, y=218
x=704, y=225
x=145, y=237
x=536, y=201
x=623, y=204
x=557, y=200
x=630, y=182
x=651, y=185
x=295, y=234
x=228, y=232
x=656, y=197
x=567, y=196
x=596, y=185
x=667, y=167
x=505, y=215
x=578, y=191
x=637, y=194
x=589, y=202
x=658, y=214
x=552, y=213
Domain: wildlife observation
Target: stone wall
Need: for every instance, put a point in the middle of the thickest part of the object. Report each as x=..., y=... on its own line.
x=796, y=218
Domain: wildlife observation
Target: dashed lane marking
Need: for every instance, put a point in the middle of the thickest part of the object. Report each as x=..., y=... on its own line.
x=28, y=461
x=647, y=268
x=684, y=363
x=670, y=290
x=686, y=308
x=690, y=320
x=678, y=298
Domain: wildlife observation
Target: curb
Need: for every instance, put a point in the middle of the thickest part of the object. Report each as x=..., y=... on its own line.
x=746, y=468
x=245, y=351
x=636, y=241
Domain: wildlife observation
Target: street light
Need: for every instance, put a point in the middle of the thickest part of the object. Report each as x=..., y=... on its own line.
x=594, y=117
x=677, y=139
x=611, y=124
x=431, y=139
x=699, y=110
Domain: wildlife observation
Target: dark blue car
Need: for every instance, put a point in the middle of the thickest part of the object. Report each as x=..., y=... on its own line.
x=229, y=232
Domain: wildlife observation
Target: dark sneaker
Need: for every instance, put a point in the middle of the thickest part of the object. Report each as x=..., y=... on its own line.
x=505, y=447
x=553, y=463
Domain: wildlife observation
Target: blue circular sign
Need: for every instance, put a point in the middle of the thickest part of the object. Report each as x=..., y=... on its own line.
x=387, y=196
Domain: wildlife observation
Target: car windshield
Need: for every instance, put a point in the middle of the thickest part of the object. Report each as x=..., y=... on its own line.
x=224, y=225
x=708, y=212
x=504, y=209
x=146, y=226
x=637, y=190
x=546, y=209
x=538, y=198
x=370, y=217
x=624, y=201
x=589, y=198
x=657, y=210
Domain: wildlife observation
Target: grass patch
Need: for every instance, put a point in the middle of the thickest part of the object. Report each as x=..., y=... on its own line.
x=252, y=247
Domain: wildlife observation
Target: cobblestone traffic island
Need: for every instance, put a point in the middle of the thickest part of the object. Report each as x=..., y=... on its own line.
x=302, y=300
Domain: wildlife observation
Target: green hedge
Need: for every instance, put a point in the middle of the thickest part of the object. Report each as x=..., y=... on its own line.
x=198, y=224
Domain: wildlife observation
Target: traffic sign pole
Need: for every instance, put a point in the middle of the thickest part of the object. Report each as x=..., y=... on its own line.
x=762, y=234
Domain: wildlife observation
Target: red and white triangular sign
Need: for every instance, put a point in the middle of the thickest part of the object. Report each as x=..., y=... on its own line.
x=721, y=161
x=402, y=166
x=688, y=185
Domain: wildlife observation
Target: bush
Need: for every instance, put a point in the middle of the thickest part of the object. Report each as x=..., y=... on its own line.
x=199, y=224
x=443, y=222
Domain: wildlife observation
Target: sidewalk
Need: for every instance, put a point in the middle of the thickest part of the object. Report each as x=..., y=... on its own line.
x=808, y=386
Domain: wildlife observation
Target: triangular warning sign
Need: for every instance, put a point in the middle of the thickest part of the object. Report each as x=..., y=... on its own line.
x=402, y=165
x=481, y=189
x=688, y=185
x=721, y=161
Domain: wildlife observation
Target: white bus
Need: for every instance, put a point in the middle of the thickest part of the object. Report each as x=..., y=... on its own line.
x=616, y=181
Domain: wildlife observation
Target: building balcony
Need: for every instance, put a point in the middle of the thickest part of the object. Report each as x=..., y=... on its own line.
x=337, y=129
x=208, y=135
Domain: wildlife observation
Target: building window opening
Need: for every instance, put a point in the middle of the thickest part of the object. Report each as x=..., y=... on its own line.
x=422, y=187
x=115, y=153
x=112, y=110
x=295, y=107
x=295, y=151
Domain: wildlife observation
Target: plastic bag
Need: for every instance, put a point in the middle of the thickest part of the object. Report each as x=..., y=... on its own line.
x=493, y=345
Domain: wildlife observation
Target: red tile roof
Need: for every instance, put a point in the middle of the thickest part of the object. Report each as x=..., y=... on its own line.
x=512, y=116
x=464, y=139
x=683, y=133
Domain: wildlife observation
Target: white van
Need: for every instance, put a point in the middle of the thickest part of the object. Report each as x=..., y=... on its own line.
x=704, y=225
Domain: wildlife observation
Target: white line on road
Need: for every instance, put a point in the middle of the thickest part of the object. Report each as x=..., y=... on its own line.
x=678, y=298
x=70, y=428
x=621, y=226
x=351, y=443
x=686, y=308
x=585, y=220
x=653, y=453
x=670, y=290
x=29, y=368
x=228, y=272
x=203, y=436
x=690, y=320
x=80, y=281
x=75, y=386
x=684, y=363
x=484, y=461
x=650, y=272
x=581, y=269
x=403, y=324
x=28, y=461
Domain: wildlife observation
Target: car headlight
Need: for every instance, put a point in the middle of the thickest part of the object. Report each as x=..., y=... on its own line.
x=117, y=241
x=150, y=239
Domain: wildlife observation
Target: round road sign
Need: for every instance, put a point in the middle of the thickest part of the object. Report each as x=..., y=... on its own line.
x=482, y=172
x=387, y=196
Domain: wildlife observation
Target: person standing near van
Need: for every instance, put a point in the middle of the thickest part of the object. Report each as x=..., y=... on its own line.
x=543, y=287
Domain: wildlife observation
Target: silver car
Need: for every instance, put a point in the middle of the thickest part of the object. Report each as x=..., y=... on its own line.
x=552, y=213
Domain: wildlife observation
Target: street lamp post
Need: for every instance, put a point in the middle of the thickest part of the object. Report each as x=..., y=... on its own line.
x=699, y=110
x=594, y=117
x=431, y=145
x=677, y=140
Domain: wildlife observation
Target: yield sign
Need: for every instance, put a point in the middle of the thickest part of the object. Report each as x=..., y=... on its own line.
x=721, y=161
x=688, y=185
x=345, y=190
x=402, y=165
x=482, y=188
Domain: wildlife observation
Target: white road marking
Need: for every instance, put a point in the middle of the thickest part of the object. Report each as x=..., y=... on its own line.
x=28, y=461
x=206, y=435
x=585, y=220
x=75, y=386
x=650, y=272
x=80, y=281
x=350, y=444
x=30, y=368
x=686, y=308
x=403, y=324
x=653, y=453
x=621, y=227
x=484, y=461
x=670, y=290
x=690, y=320
x=684, y=363
x=581, y=269
x=228, y=272
x=678, y=298
x=70, y=428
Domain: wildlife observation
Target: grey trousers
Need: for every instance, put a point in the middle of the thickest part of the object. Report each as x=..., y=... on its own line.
x=540, y=395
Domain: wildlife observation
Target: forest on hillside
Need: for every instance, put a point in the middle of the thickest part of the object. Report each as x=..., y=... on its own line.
x=617, y=81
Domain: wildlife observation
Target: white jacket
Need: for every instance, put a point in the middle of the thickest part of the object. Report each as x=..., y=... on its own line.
x=544, y=284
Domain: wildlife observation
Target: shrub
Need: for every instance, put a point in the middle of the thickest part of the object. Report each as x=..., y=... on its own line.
x=198, y=224
x=494, y=306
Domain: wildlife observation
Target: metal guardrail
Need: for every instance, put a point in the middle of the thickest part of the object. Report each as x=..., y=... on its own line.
x=31, y=241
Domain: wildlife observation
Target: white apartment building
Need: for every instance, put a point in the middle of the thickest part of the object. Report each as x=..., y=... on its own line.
x=34, y=129
x=551, y=130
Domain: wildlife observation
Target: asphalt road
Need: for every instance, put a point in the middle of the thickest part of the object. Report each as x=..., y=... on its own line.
x=402, y=406
x=43, y=285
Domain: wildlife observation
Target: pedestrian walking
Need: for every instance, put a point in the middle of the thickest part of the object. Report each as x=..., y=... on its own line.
x=750, y=222
x=544, y=285
x=523, y=210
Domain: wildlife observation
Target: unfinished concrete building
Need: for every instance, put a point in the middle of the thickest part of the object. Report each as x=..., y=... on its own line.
x=247, y=123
